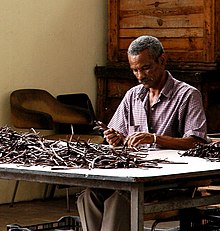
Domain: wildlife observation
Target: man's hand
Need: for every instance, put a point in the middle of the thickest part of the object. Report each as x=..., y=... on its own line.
x=139, y=138
x=113, y=137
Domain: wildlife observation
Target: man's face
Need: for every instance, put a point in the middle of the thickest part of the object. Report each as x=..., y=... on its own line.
x=146, y=69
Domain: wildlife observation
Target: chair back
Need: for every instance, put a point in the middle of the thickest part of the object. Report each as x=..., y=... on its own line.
x=37, y=108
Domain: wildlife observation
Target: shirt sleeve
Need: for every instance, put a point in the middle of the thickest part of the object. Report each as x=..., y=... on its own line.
x=119, y=120
x=193, y=116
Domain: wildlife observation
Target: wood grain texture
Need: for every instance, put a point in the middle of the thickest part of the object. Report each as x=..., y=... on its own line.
x=189, y=30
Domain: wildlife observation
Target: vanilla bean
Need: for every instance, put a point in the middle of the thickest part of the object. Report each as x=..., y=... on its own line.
x=209, y=151
x=31, y=149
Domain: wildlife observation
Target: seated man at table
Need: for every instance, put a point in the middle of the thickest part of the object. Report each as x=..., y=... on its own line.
x=160, y=111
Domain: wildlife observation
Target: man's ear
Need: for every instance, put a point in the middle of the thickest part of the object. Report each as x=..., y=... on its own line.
x=163, y=59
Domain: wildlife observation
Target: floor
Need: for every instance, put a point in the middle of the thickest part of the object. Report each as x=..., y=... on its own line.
x=38, y=212
x=35, y=212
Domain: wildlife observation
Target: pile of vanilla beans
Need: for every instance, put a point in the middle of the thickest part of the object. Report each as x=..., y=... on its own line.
x=30, y=149
x=209, y=151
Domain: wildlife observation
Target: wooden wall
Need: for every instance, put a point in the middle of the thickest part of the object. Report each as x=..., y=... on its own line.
x=188, y=29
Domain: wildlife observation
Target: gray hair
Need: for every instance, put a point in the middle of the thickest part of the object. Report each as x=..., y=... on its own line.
x=146, y=42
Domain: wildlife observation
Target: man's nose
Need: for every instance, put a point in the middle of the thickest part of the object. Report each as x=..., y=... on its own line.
x=140, y=74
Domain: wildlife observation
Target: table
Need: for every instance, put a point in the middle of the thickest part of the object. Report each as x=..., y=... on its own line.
x=187, y=172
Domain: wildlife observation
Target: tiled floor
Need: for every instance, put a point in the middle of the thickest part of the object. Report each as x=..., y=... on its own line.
x=38, y=212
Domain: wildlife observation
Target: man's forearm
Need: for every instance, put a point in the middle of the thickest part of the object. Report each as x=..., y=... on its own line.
x=178, y=143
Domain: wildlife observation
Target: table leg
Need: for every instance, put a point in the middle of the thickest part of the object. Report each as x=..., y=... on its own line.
x=137, y=207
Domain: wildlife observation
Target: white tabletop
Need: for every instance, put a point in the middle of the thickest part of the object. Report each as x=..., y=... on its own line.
x=182, y=166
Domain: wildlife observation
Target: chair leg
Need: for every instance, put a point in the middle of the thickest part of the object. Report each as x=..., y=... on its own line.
x=52, y=194
x=45, y=191
x=52, y=191
x=14, y=193
x=67, y=199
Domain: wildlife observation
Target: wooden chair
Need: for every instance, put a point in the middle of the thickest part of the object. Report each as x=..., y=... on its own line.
x=38, y=109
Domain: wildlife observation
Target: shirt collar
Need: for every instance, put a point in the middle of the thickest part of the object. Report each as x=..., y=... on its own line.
x=167, y=90
x=142, y=93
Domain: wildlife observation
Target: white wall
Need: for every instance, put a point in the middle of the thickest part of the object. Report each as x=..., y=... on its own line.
x=49, y=44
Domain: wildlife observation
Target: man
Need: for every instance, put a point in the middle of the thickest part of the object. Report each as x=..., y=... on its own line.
x=159, y=111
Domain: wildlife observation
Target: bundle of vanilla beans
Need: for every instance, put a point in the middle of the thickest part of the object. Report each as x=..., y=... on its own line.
x=30, y=149
x=209, y=151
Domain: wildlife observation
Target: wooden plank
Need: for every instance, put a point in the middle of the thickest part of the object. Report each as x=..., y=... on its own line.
x=118, y=87
x=158, y=12
x=209, y=39
x=140, y=21
x=181, y=204
x=166, y=33
x=195, y=56
x=162, y=215
x=217, y=31
x=101, y=94
x=113, y=30
x=170, y=43
x=173, y=56
x=131, y=4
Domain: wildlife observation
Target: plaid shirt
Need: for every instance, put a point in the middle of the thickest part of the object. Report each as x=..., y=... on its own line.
x=178, y=111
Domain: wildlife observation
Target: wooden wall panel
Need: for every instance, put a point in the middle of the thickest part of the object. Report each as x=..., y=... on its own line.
x=161, y=33
x=190, y=33
x=217, y=32
x=172, y=43
x=140, y=4
x=189, y=30
x=170, y=21
x=172, y=56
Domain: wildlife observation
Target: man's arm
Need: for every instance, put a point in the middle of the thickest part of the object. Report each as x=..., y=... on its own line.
x=178, y=143
x=163, y=141
x=115, y=138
